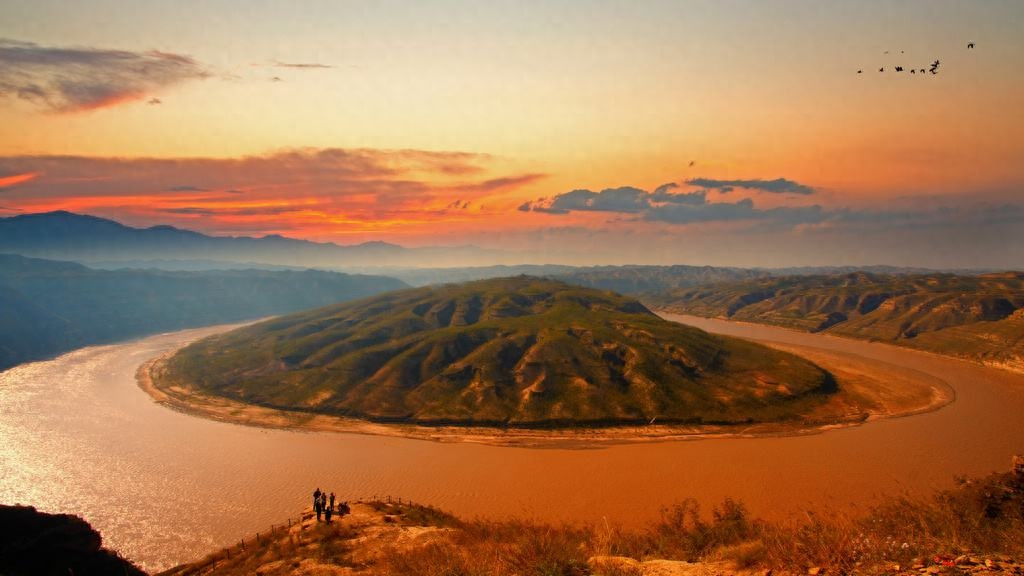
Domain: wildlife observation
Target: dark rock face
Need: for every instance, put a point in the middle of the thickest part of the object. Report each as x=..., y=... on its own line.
x=39, y=544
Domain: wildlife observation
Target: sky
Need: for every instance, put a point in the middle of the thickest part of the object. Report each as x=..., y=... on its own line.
x=725, y=132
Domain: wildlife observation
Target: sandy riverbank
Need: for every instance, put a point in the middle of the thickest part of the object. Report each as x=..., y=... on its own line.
x=869, y=390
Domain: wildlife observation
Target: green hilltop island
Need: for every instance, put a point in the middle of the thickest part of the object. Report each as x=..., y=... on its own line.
x=518, y=352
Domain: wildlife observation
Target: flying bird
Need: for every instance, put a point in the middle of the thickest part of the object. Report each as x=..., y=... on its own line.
x=276, y=79
x=899, y=68
x=692, y=162
x=912, y=71
x=882, y=69
x=859, y=71
x=154, y=102
x=970, y=45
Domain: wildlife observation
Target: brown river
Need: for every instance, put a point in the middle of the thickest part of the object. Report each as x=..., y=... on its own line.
x=77, y=435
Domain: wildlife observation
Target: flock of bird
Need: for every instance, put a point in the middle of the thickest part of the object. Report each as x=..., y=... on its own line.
x=933, y=68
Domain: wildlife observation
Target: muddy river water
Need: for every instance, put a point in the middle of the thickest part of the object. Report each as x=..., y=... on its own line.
x=77, y=435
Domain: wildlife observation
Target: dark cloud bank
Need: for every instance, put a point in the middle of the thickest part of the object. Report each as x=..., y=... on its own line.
x=69, y=80
x=665, y=204
x=777, y=186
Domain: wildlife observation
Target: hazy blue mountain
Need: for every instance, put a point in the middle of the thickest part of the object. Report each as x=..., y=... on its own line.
x=874, y=269
x=640, y=280
x=623, y=279
x=67, y=236
x=185, y=265
x=630, y=279
x=47, y=307
x=432, y=276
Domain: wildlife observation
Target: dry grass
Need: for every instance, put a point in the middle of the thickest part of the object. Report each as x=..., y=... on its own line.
x=980, y=518
x=983, y=517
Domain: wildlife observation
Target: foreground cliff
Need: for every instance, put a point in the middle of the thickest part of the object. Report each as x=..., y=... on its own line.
x=34, y=543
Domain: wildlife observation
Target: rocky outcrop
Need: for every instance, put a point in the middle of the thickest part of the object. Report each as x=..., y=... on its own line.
x=34, y=543
x=360, y=541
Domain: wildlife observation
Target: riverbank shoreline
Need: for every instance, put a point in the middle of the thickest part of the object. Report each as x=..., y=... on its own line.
x=869, y=391
x=1015, y=367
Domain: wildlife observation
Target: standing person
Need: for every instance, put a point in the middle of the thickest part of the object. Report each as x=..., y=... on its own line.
x=332, y=499
x=316, y=496
x=328, y=512
x=318, y=506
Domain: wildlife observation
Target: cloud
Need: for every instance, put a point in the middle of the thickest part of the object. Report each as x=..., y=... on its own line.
x=15, y=179
x=458, y=205
x=626, y=200
x=496, y=184
x=328, y=171
x=664, y=205
x=254, y=211
x=331, y=188
x=777, y=186
x=186, y=188
x=72, y=80
x=301, y=65
x=736, y=211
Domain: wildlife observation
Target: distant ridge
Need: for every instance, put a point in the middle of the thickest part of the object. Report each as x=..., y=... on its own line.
x=48, y=307
x=63, y=235
x=978, y=317
x=104, y=243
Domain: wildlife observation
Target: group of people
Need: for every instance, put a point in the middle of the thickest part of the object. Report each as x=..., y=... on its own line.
x=323, y=505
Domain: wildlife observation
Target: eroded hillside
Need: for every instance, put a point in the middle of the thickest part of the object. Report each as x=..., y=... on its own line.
x=512, y=351
x=981, y=317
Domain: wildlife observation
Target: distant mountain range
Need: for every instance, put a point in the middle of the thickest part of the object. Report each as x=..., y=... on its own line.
x=49, y=307
x=102, y=243
x=68, y=236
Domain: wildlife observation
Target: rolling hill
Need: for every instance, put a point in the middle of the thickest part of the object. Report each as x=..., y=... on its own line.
x=513, y=351
x=979, y=317
x=48, y=307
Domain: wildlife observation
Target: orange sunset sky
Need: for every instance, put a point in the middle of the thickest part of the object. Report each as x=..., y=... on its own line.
x=720, y=132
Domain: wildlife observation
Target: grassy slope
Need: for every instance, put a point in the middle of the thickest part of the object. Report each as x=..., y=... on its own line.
x=515, y=351
x=976, y=526
x=981, y=317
